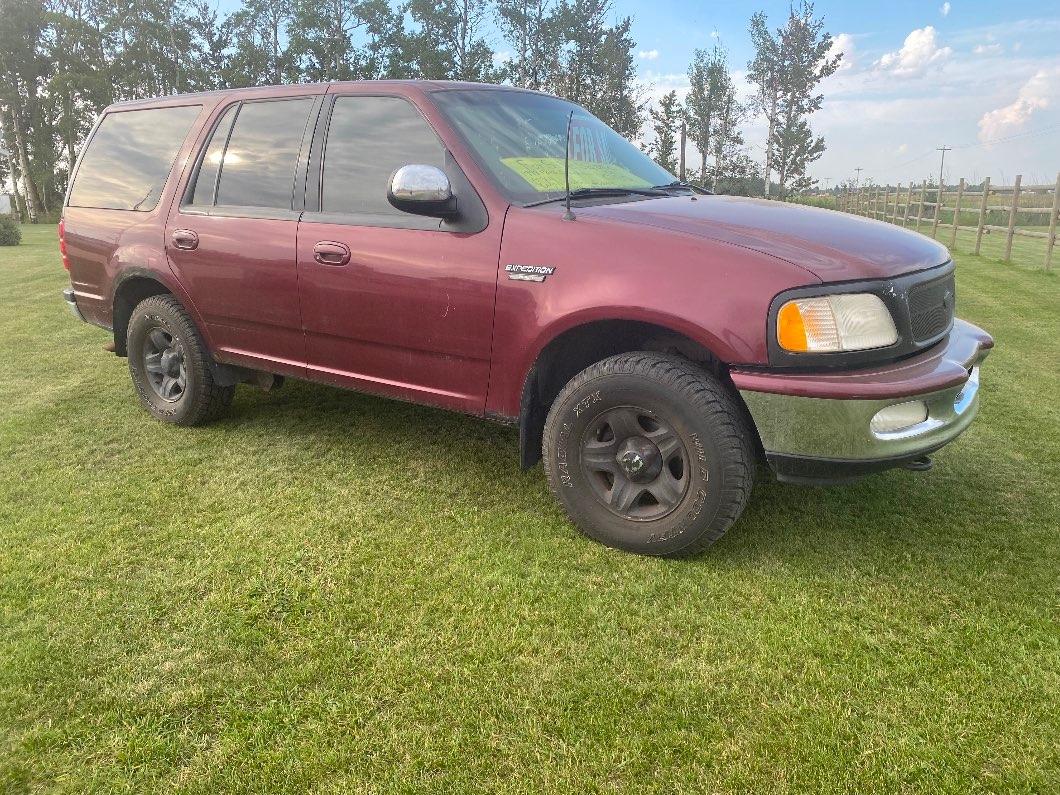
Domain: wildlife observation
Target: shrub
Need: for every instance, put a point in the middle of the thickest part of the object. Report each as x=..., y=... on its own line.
x=10, y=231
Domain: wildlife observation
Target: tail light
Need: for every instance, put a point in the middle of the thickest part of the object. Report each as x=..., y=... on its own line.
x=62, y=247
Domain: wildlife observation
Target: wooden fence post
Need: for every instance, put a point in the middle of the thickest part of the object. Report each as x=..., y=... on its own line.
x=886, y=200
x=920, y=208
x=908, y=204
x=876, y=203
x=897, y=196
x=1012, y=218
x=1052, y=227
x=982, y=215
x=938, y=213
x=956, y=214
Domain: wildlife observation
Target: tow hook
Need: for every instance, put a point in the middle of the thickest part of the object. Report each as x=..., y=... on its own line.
x=922, y=464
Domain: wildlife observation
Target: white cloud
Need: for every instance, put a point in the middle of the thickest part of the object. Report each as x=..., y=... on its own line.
x=648, y=55
x=1017, y=46
x=501, y=58
x=1035, y=95
x=844, y=43
x=919, y=51
x=945, y=10
x=715, y=35
x=988, y=49
x=901, y=150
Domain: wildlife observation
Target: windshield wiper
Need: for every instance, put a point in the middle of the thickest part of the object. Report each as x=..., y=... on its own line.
x=684, y=186
x=582, y=193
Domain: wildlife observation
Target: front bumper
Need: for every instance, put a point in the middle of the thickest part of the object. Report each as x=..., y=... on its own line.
x=816, y=427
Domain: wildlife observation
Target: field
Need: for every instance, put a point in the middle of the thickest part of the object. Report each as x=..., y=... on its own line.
x=331, y=593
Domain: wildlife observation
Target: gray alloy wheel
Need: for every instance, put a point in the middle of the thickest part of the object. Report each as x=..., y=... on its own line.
x=649, y=453
x=169, y=364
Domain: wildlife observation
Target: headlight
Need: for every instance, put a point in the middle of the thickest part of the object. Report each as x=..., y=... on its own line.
x=853, y=322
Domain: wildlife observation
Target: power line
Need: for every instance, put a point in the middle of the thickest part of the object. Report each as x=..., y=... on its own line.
x=1025, y=134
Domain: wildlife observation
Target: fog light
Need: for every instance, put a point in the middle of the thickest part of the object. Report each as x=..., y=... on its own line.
x=899, y=417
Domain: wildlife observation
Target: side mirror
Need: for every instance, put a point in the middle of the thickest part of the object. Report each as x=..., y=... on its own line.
x=421, y=190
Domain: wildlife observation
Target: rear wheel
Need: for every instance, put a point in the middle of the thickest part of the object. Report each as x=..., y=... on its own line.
x=650, y=454
x=169, y=364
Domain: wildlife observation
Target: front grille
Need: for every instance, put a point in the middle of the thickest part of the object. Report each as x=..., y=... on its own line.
x=931, y=308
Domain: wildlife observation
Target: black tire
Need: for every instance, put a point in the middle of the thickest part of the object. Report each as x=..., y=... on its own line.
x=648, y=453
x=169, y=364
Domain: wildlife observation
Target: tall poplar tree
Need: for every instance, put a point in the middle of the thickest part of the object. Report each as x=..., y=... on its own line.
x=712, y=109
x=787, y=67
x=665, y=122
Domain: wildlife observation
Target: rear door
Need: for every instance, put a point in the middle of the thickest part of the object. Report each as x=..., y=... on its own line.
x=231, y=240
x=397, y=304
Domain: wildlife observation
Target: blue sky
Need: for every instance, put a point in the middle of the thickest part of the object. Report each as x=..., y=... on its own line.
x=983, y=77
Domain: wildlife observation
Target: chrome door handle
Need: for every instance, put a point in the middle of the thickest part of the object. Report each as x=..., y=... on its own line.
x=328, y=252
x=184, y=239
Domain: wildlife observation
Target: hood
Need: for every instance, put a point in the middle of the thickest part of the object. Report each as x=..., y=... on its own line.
x=833, y=246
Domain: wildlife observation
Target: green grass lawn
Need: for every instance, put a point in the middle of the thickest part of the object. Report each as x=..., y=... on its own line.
x=332, y=593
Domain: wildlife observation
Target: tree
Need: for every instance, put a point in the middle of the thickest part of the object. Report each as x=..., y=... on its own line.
x=262, y=54
x=531, y=29
x=666, y=123
x=595, y=66
x=785, y=71
x=20, y=111
x=344, y=39
x=449, y=44
x=713, y=113
x=211, y=41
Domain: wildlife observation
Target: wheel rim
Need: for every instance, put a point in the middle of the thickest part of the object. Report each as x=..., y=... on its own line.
x=635, y=463
x=164, y=364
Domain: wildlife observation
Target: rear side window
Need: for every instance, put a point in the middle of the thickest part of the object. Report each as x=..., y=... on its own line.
x=202, y=190
x=258, y=165
x=368, y=139
x=129, y=158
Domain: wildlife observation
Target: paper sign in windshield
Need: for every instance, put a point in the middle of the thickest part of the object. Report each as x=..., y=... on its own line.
x=545, y=174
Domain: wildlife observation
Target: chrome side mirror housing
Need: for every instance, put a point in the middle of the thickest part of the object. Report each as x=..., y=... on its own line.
x=421, y=190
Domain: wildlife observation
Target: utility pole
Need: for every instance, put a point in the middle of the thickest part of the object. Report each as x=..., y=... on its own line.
x=857, y=183
x=684, y=144
x=944, y=149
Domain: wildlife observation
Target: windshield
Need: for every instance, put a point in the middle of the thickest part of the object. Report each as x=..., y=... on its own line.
x=518, y=137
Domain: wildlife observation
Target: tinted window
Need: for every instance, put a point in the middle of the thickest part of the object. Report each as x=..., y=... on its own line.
x=262, y=153
x=129, y=158
x=202, y=189
x=368, y=139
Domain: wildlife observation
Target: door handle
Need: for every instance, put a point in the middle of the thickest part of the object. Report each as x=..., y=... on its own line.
x=184, y=239
x=328, y=252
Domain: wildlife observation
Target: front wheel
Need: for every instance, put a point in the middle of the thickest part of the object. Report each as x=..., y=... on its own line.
x=169, y=365
x=649, y=453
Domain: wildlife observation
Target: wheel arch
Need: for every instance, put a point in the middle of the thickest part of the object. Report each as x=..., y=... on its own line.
x=571, y=350
x=132, y=286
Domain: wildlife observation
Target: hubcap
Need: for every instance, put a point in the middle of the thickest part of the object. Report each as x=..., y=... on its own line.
x=635, y=463
x=164, y=364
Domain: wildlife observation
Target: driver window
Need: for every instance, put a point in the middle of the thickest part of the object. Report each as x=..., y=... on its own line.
x=368, y=139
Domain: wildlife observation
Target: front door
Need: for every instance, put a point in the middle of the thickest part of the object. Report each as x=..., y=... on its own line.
x=393, y=303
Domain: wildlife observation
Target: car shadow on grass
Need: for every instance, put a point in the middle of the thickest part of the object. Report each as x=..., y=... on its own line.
x=897, y=514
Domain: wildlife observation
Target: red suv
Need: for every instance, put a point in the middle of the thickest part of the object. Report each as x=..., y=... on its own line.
x=503, y=253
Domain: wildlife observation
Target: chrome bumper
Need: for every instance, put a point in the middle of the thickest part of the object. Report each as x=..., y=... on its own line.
x=71, y=304
x=823, y=428
x=828, y=438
